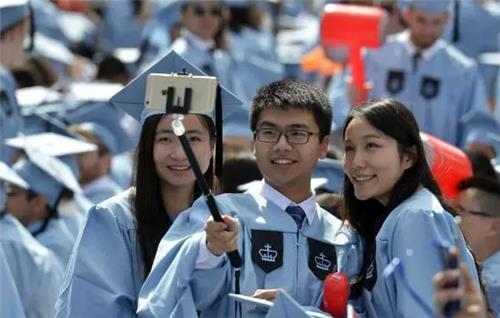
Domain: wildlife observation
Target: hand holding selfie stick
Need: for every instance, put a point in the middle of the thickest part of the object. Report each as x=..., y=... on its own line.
x=197, y=93
x=178, y=127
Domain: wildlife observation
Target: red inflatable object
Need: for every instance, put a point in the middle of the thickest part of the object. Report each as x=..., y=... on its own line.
x=449, y=165
x=336, y=294
x=355, y=27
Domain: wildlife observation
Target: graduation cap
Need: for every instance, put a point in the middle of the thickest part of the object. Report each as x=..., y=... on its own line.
x=37, y=95
x=333, y=172
x=102, y=133
x=132, y=98
x=107, y=115
x=433, y=6
x=46, y=175
x=12, y=12
x=52, y=49
x=61, y=146
x=115, y=133
x=53, y=144
x=93, y=92
x=9, y=175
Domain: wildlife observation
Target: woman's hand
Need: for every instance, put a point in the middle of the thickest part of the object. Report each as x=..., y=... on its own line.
x=468, y=293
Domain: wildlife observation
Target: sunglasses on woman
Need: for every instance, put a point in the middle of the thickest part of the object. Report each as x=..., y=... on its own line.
x=200, y=11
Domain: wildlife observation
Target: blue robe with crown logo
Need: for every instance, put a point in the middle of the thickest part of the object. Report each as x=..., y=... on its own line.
x=443, y=90
x=175, y=288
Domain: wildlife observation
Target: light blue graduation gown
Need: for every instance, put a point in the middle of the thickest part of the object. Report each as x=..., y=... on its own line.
x=47, y=20
x=491, y=279
x=251, y=42
x=101, y=189
x=122, y=166
x=74, y=212
x=410, y=229
x=483, y=37
x=10, y=116
x=174, y=288
x=35, y=270
x=120, y=27
x=105, y=271
x=56, y=237
x=10, y=303
x=441, y=91
x=254, y=52
x=220, y=63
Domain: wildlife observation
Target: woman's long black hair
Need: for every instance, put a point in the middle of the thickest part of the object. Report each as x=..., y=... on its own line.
x=395, y=120
x=152, y=220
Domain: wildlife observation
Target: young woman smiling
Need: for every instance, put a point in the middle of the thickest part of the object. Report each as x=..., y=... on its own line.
x=115, y=251
x=391, y=198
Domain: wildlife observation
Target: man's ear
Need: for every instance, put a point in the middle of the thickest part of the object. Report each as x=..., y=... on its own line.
x=493, y=229
x=325, y=142
x=407, y=15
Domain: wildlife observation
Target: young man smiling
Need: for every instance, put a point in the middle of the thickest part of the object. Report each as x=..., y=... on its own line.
x=285, y=239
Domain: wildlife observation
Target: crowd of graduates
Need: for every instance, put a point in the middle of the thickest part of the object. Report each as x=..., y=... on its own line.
x=101, y=212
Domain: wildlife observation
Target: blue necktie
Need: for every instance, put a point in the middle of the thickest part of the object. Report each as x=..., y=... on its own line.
x=296, y=213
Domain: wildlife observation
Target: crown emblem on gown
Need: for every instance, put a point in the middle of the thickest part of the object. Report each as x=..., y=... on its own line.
x=322, y=263
x=267, y=254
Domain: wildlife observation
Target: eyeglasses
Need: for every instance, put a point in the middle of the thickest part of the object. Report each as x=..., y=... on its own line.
x=461, y=211
x=295, y=136
x=200, y=11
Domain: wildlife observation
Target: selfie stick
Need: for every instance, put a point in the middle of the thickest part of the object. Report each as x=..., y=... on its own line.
x=179, y=131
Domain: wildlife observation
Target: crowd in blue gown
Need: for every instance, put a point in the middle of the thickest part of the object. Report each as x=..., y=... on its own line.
x=101, y=216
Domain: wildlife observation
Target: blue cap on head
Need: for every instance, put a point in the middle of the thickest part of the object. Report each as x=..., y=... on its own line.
x=12, y=12
x=52, y=144
x=46, y=175
x=9, y=175
x=63, y=147
x=334, y=173
x=104, y=114
x=101, y=132
x=132, y=97
x=432, y=6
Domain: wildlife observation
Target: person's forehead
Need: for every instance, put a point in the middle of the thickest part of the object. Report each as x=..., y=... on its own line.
x=468, y=196
x=287, y=117
x=434, y=16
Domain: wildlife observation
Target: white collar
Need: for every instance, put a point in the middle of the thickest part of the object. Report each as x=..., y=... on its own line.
x=412, y=49
x=196, y=41
x=276, y=197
